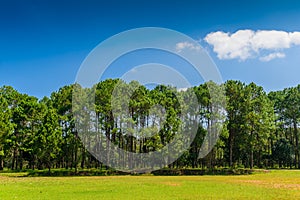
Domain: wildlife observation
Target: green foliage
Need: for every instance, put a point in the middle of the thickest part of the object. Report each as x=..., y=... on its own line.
x=282, y=152
x=260, y=130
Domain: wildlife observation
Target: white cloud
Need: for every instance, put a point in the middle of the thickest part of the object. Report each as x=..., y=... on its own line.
x=270, y=40
x=186, y=45
x=231, y=46
x=271, y=56
x=295, y=37
x=182, y=89
x=244, y=44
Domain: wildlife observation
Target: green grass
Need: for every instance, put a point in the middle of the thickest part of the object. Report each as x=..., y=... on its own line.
x=273, y=185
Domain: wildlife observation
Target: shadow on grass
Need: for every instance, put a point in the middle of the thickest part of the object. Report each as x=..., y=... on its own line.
x=110, y=172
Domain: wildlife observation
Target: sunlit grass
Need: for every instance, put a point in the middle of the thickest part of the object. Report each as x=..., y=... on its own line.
x=272, y=185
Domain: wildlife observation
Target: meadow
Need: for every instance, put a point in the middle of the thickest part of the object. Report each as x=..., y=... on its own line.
x=277, y=184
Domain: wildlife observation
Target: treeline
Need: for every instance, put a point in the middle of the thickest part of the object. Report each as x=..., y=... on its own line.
x=260, y=129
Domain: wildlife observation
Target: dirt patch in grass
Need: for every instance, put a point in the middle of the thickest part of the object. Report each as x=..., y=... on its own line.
x=268, y=184
x=3, y=178
x=252, y=181
x=171, y=184
x=286, y=186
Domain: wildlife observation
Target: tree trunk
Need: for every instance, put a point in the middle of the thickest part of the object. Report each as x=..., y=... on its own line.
x=21, y=160
x=83, y=158
x=75, y=157
x=297, y=145
x=13, y=160
x=231, y=140
x=1, y=163
x=251, y=158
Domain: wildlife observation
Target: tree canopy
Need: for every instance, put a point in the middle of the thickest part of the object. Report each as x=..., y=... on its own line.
x=259, y=130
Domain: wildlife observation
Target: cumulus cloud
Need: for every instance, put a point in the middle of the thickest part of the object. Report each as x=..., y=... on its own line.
x=182, y=89
x=271, y=56
x=186, y=45
x=244, y=44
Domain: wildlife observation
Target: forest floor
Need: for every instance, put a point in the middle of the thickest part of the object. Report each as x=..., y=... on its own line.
x=275, y=184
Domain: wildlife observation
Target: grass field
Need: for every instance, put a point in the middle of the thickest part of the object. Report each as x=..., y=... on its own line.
x=272, y=185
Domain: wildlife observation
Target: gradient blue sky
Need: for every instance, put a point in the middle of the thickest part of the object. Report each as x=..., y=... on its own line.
x=43, y=43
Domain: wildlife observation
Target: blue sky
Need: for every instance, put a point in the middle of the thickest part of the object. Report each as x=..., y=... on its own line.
x=43, y=43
